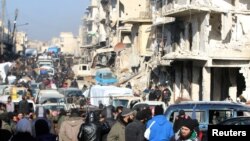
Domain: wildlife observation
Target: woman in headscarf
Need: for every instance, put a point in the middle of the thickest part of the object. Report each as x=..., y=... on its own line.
x=23, y=131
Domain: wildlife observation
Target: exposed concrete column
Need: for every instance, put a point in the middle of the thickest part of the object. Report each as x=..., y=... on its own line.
x=195, y=87
x=246, y=73
x=177, y=83
x=216, y=84
x=185, y=83
x=195, y=32
x=206, y=83
x=186, y=37
x=204, y=33
x=233, y=87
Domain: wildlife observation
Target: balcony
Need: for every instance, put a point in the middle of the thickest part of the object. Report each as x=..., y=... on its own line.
x=143, y=17
x=187, y=8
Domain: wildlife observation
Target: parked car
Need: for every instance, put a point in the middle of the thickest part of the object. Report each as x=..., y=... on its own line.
x=236, y=121
x=67, y=92
x=149, y=104
x=125, y=101
x=207, y=112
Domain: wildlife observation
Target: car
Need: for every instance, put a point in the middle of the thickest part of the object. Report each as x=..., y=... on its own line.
x=125, y=101
x=149, y=104
x=207, y=112
x=243, y=120
x=68, y=92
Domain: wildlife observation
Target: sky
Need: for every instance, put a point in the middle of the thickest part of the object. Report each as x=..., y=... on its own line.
x=46, y=18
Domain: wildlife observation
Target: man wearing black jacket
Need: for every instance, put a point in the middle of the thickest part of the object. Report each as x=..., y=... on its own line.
x=134, y=131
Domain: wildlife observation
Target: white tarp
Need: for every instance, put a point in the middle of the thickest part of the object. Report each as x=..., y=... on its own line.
x=11, y=79
x=102, y=94
x=4, y=68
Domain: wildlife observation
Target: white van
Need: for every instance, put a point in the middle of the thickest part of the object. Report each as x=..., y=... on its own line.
x=52, y=98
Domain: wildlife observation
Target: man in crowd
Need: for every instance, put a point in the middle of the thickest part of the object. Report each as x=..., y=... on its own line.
x=179, y=120
x=160, y=128
x=135, y=130
x=186, y=132
x=70, y=128
x=117, y=132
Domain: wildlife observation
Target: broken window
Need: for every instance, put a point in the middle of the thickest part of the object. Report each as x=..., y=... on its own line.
x=215, y=24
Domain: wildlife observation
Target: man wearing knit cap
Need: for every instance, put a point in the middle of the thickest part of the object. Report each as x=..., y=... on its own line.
x=179, y=120
x=186, y=132
x=117, y=132
x=135, y=130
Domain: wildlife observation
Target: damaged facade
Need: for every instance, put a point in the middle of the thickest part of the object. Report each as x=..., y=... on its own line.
x=208, y=43
x=200, y=47
x=119, y=28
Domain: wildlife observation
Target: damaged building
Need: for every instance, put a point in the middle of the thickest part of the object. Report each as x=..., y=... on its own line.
x=116, y=36
x=208, y=47
x=200, y=47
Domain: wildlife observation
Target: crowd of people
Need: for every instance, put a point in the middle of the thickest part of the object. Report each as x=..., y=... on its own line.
x=105, y=124
x=108, y=124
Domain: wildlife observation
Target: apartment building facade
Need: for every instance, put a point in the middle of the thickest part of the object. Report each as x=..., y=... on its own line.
x=21, y=41
x=208, y=46
x=201, y=47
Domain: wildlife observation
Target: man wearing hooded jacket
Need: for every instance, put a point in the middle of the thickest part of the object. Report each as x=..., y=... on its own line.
x=161, y=129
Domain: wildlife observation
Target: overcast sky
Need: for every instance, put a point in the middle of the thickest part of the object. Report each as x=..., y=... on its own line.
x=46, y=18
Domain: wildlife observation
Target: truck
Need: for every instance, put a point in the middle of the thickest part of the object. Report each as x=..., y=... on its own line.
x=105, y=77
x=45, y=60
x=54, y=49
x=82, y=70
x=31, y=52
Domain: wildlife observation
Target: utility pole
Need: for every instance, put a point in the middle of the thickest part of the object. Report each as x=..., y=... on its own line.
x=2, y=26
x=14, y=28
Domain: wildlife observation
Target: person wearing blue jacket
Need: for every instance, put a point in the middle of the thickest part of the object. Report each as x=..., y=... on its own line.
x=160, y=128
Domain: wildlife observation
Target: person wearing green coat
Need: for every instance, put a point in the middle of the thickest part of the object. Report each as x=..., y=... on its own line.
x=117, y=132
